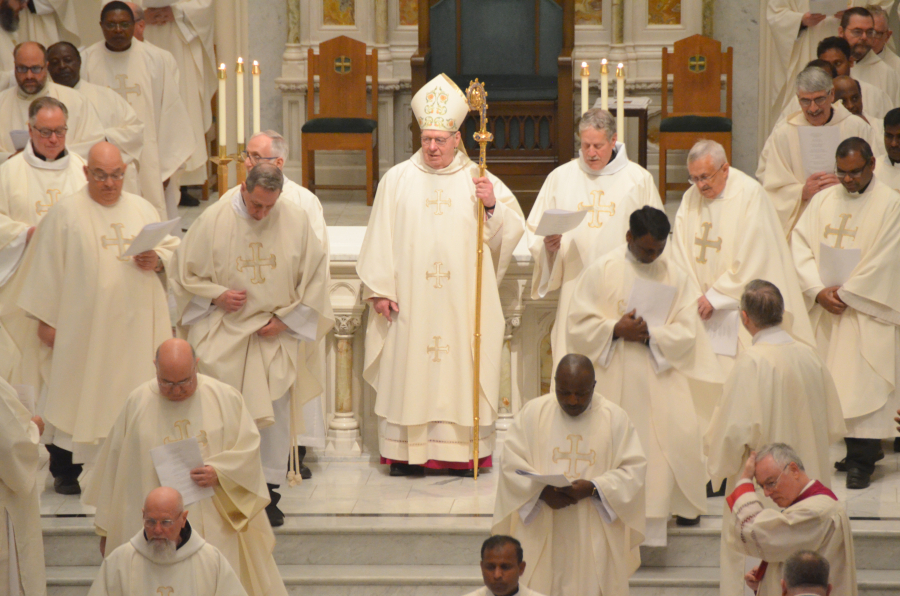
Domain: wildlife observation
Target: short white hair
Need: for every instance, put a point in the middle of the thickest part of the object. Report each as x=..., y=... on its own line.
x=598, y=119
x=279, y=145
x=813, y=79
x=705, y=147
x=782, y=454
x=877, y=12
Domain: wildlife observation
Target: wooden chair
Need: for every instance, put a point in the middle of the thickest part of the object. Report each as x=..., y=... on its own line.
x=344, y=121
x=696, y=65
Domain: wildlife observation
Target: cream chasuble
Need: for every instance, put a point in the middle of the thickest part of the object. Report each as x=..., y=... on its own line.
x=862, y=345
x=888, y=173
x=650, y=382
x=197, y=569
x=29, y=187
x=591, y=547
x=51, y=21
x=724, y=244
x=85, y=129
x=484, y=591
x=19, y=507
x=875, y=71
x=419, y=251
x=109, y=315
x=781, y=170
x=190, y=41
x=778, y=391
x=283, y=267
x=147, y=77
x=610, y=195
x=890, y=58
x=233, y=519
x=875, y=103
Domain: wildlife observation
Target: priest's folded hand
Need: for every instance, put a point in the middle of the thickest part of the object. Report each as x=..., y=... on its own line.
x=632, y=328
x=484, y=190
x=231, y=300
x=46, y=334
x=272, y=328
x=557, y=498
x=147, y=260
x=580, y=489
x=829, y=300
x=552, y=243
x=205, y=476
x=705, y=309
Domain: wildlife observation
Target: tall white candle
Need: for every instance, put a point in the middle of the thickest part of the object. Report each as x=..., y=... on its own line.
x=222, y=115
x=255, y=74
x=239, y=79
x=620, y=103
x=585, y=87
x=604, y=85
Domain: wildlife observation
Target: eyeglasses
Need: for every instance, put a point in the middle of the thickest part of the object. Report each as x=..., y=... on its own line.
x=705, y=178
x=861, y=32
x=819, y=101
x=46, y=133
x=152, y=523
x=852, y=173
x=119, y=26
x=439, y=141
x=101, y=176
x=770, y=485
x=33, y=69
x=254, y=157
x=175, y=385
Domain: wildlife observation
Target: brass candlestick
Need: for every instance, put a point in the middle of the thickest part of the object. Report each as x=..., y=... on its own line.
x=222, y=161
x=239, y=166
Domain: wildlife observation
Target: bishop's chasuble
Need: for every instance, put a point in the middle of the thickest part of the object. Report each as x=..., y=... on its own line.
x=650, y=382
x=51, y=21
x=419, y=251
x=610, y=195
x=860, y=346
x=232, y=520
x=29, y=187
x=109, y=315
x=147, y=77
x=591, y=547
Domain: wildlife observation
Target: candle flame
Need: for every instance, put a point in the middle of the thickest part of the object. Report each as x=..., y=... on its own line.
x=222, y=66
x=256, y=63
x=240, y=60
x=584, y=65
x=604, y=61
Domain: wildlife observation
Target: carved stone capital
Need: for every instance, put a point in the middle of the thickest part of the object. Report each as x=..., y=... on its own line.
x=347, y=324
x=512, y=322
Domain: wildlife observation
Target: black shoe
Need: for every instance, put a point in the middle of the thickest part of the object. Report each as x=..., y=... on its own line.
x=305, y=472
x=398, y=469
x=710, y=492
x=857, y=479
x=897, y=445
x=187, y=200
x=66, y=486
x=841, y=466
x=470, y=473
x=275, y=515
x=687, y=521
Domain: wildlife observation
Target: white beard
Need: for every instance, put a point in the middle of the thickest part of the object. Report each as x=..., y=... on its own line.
x=163, y=550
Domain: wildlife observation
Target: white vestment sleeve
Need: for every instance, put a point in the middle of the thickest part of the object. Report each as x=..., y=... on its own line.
x=11, y=257
x=720, y=301
x=606, y=355
x=302, y=322
x=659, y=362
x=599, y=502
x=528, y=512
x=198, y=308
x=547, y=267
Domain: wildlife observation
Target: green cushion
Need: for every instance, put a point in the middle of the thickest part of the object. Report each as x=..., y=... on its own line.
x=345, y=125
x=695, y=124
x=512, y=87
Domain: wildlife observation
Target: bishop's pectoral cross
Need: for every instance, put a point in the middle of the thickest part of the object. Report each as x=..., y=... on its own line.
x=596, y=208
x=574, y=457
x=257, y=263
x=123, y=88
x=705, y=242
x=439, y=200
x=118, y=240
x=437, y=349
x=438, y=275
x=52, y=197
x=842, y=232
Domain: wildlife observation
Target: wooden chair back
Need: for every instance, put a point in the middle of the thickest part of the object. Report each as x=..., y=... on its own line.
x=697, y=65
x=342, y=67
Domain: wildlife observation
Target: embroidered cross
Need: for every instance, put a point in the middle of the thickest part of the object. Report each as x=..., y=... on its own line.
x=439, y=201
x=437, y=349
x=256, y=262
x=52, y=197
x=574, y=456
x=123, y=88
x=119, y=240
x=842, y=231
x=438, y=275
x=597, y=208
x=705, y=242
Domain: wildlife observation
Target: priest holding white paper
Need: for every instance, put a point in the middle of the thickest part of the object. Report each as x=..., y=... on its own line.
x=634, y=314
x=584, y=538
x=855, y=226
x=603, y=182
x=180, y=404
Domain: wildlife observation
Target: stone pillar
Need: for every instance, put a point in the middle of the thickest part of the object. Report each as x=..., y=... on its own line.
x=381, y=22
x=343, y=430
x=504, y=409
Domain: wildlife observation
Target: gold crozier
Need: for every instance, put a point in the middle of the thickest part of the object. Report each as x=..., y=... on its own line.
x=842, y=231
x=574, y=456
x=705, y=242
x=256, y=262
x=596, y=208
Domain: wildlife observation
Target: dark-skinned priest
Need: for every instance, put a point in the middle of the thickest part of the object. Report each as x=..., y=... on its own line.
x=634, y=314
x=888, y=168
x=580, y=513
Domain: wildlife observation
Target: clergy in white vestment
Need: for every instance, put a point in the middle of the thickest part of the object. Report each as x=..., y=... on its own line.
x=96, y=306
x=41, y=21
x=582, y=538
x=502, y=564
x=854, y=300
x=887, y=169
x=849, y=93
x=726, y=235
x=858, y=28
x=166, y=557
x=781, y=168
x=21, y=544
x=84, y=127
x=643, y=358
x=806, y=574
x=121, y=126
x=606, y=184
x=882, y=35
x=148, y=78
x=417, y=262
x=779, y=390
x=181, y=404
x=30, y=184
x=250, y=282
x=811, y=518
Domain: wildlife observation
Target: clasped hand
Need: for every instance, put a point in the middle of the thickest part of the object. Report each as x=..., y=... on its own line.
x=558, y=498
x=830, y=301
x=205, y=476
x=632, y=328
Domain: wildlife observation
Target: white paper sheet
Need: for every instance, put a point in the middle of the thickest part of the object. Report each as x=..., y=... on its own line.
x=827, y=7
x=19, y=138
x=818, y=145
x=559, y=221
x=26, y=396
x=836, y=265
x=557, y=480
x=652, y=301
x=150, y=237
x=174, y=462
x=722, y=329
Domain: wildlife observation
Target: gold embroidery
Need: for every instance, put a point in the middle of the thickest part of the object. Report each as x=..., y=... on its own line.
x=256, y=262
x=184, y=429
x=842, y=231
x=124, y=89
x=437, y=275
x=705, y=242
x=119, y=241
x=574, y=456
x=52, y=198
x=439, y=201
x=437, y=349
x=597, y=208
x=165, y=591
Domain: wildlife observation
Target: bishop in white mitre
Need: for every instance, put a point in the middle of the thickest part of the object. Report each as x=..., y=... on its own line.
x=41, y=21
x=887, y=169
x=166, y=557
x=726, y=235
x=644, y=357
x=853, y=304
x=606, y=184
x=417, y=262
x=30, y=184
x=781, y=169
x=21, y=545
x=148, y=78
x=582, y=538
x=84, y=127
x=102, y=312
x=858, y=28
x=779, y=390
x=181, y=404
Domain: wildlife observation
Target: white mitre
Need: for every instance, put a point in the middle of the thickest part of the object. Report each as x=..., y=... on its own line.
x=440, y=105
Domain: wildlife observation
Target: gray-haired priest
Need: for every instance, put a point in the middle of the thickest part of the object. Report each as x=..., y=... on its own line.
x=418, y=265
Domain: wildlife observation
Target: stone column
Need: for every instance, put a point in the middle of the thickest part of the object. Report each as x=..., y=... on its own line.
x=343, y=430
x=504, y=409
x=381, y=22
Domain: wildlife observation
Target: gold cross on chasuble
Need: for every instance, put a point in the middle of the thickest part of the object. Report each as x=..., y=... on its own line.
x=842, y=232
x=438, y=275
x=437, y=349
x=705, y=242
x=123, y=89
x=165, y=591
x=439, y=200
x=52, y=198
x=574, y=456
x=596, y=208
x=256, y=262
x=118, y=240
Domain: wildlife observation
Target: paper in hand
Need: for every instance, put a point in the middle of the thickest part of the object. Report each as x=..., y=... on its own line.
x=651, y=300
x=559, y=221
x=150, y=237
x=19, y=138
x=818, y=144
x=836, y=264
x=827, y=7
x=174, y=462
x=722, y=329
x=557, y=480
